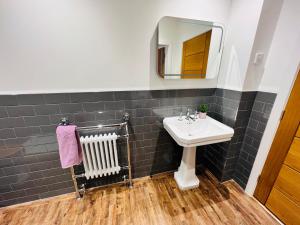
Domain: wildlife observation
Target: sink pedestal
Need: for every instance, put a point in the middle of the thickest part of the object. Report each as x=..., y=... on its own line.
x=186, y=177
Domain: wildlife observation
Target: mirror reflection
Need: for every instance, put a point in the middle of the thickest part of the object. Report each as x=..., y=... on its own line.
x=188, y=49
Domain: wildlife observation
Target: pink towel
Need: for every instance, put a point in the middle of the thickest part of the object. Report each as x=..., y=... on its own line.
x=69, y=152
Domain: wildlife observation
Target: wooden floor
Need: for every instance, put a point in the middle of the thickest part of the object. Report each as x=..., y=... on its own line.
x=151, y=201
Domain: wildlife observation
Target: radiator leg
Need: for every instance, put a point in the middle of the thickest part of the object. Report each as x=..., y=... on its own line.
x=77, y=193
x=128, y=157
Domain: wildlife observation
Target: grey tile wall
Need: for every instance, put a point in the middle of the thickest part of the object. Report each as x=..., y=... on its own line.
x=219, y=158
x=234, y=109
x=258, y=119
x=240, y=126
x=29, y=160
x=247, y=113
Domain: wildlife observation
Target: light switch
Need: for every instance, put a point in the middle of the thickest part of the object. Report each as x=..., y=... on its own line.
x=259, y=56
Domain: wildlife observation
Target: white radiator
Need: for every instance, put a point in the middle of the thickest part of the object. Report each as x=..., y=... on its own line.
x=100, y=155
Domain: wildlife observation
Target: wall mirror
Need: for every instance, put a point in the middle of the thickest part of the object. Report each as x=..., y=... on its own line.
x=188, y=49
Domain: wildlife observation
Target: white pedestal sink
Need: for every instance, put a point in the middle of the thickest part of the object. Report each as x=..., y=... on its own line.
x=191, y=134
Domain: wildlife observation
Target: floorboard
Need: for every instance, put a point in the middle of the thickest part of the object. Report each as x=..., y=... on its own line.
x=152, y=201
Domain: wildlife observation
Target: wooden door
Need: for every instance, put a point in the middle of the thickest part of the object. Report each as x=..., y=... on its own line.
x=161, y=61
x=279, y=184
x=195, y=55
x=284, y=199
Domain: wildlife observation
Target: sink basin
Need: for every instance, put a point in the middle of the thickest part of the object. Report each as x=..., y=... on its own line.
x=195, y=133
x=190, y=134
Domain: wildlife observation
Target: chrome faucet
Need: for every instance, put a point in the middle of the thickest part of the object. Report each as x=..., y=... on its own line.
x=188, y=115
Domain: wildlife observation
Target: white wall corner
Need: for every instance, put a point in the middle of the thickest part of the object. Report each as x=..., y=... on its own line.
x=280, y=74
x=240, y=35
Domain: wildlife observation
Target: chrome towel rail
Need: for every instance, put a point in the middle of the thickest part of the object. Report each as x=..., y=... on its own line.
x=81, y=190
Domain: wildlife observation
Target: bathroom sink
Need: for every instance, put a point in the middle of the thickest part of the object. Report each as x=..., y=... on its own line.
x=199, y=132
x=190, y=134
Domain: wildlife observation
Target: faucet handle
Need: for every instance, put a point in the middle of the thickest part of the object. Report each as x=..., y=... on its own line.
x=195, y=115
x=188, y=112
x=180, y=116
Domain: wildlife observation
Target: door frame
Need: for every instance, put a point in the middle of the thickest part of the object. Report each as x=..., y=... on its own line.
x=280, y=145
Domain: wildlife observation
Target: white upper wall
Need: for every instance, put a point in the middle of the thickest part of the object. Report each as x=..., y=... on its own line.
x=240, y=34
x=285, y=50
x=263, y=39
x=281, y=69
x=67, y=45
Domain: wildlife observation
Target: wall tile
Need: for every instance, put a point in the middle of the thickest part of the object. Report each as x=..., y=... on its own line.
x=167, y=102
x=36, y=190
x=47, y=109
x=5, y=188
x=258, y=106
x=13, y=195
x=8, y=100
x=9, y=179
x=27, y=131
x=267, y=108
x=83, y=117
x=49, y=156
x=30, y=99
x=48, y=129
x=11, y=152
x=22, y=185
x=36, y=120
x=71, y=108
x=7, y=133
x=156, y=94
x=38, y=149
x=143, y=112
x=12, y=122
x=3, y=112
x=248, y=96
x=91, y=97
x=16, y=111
x=230, y=94
x=105, y=115
x=56, y=192
x=93, y=106
x=259, y=116
x=41, y=166
x=253, y=124
x=22, y=160
x=132, y=95
x=266, y=97
x=56, y=98
x=114, y=105
x=15, y=170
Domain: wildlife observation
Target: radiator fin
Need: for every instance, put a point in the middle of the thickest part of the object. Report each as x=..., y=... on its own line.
x=100, y=155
